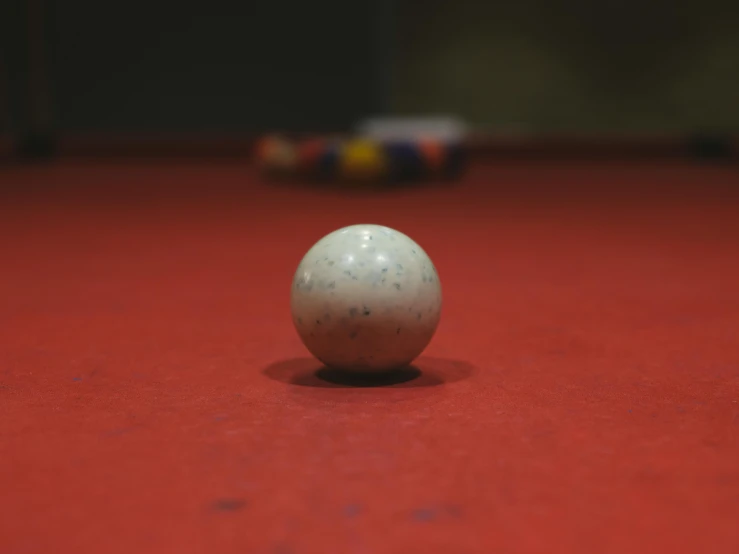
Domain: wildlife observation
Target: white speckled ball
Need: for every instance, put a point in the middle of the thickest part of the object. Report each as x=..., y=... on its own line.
x=366, y=298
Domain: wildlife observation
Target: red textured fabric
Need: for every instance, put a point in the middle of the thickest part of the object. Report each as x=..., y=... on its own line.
x=581, y=394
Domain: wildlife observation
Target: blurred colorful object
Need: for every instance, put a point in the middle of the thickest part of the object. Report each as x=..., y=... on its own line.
x=361, y=159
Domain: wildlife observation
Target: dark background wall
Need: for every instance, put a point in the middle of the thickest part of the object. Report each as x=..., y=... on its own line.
x=220, y=66
x=210, y=66
x=573, y=65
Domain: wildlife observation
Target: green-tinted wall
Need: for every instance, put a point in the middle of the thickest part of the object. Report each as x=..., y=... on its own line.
x=576, y=65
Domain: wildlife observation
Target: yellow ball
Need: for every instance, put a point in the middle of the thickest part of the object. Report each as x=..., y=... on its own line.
x=362, y=161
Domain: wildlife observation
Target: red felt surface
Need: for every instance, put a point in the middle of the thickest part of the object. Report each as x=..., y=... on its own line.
x=581, y=394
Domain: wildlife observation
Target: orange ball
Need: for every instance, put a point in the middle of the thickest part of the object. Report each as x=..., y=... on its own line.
x=275, y=155
x=434, y=155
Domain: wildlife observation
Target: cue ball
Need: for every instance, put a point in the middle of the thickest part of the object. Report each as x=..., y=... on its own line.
x=366, y=298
